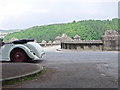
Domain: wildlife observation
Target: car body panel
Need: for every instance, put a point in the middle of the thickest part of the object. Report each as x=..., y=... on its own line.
x=32, y=49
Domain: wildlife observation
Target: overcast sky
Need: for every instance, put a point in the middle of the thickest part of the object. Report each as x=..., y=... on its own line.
x=20, y=14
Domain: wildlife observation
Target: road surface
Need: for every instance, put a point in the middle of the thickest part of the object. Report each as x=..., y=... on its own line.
x=75, y=69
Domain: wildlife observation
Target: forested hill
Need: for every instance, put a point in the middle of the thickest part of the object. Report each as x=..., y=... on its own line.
x=87, y=29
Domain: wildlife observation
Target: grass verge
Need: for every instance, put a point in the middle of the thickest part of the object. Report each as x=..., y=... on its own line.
x=31, y=77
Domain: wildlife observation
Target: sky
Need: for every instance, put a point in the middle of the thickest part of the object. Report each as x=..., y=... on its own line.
x=21, y=14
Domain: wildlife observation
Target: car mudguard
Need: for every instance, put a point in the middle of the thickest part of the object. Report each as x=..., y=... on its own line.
x=25, y=48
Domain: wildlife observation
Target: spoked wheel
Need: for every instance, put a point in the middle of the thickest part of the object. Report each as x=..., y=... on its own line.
x=18, y=55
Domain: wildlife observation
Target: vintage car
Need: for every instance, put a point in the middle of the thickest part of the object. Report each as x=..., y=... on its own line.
x=24, y=50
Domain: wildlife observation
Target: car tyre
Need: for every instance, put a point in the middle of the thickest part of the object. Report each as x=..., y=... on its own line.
x=18, y=55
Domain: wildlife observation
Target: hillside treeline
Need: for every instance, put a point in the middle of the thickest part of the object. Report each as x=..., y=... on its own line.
x=87, y=29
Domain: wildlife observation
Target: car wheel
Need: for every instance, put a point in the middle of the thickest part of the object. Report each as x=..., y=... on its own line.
x=18, y=55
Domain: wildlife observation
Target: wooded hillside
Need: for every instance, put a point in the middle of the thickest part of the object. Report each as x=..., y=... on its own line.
x=87, y=29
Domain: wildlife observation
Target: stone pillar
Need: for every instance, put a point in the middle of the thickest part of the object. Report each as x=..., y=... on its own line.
x=98, y=47
x=110, y=40
x=72, y=46
x=101, y=47
x=94, y=47
x=79, y=48
x=50, y=43
x=67, y=46
x=86, y=47
x=44, y=42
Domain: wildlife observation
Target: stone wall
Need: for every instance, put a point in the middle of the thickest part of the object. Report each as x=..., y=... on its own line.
x=84, y=45
x=109, y=42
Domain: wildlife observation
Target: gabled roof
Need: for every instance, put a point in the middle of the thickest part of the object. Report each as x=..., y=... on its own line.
x=77, y=37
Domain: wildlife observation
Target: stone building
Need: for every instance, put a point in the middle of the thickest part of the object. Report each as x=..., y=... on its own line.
x=65, y=38
x=110, y=40
x=58, y=39
x=83, y=45
x=77, y=37
x=50, y=43
x=43, y=43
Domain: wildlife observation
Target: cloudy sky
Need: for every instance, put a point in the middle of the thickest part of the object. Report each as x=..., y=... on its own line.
x=20, y=14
